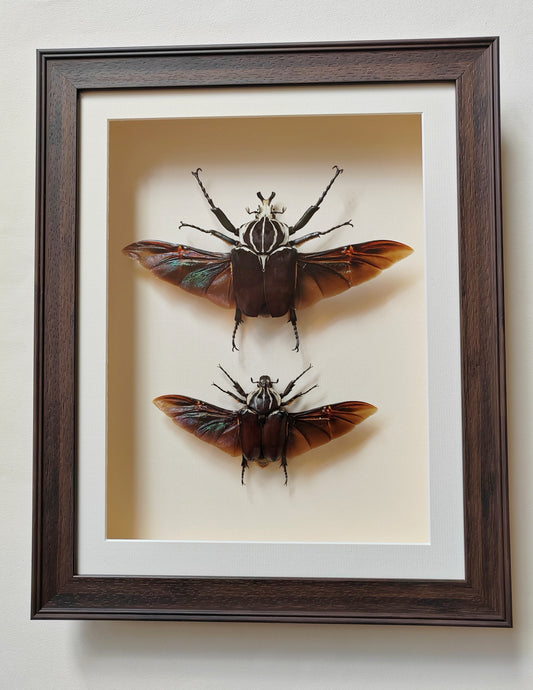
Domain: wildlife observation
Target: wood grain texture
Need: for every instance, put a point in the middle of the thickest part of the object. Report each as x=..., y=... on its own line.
x=484, y=598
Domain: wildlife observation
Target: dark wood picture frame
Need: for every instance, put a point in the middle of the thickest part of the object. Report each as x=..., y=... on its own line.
x=483, y=598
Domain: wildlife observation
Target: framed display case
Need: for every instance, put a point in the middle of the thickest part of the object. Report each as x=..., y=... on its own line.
x=402, y=521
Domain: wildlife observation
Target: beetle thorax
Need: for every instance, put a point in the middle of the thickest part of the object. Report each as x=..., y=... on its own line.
x=265, y=399
x=265, y=233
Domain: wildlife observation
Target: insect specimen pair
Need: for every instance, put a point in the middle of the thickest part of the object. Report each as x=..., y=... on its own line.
x=264, y=274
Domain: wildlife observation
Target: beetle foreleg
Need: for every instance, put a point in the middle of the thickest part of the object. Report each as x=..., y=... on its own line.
x=302, y=222
x=290, y=385
x=338, y=171
x=236, y=384
x=216, y=233
x=221, y=216
x=292, y=319
x=195, y=174
x=238, y=321
x=312, y=235
x=244, y=465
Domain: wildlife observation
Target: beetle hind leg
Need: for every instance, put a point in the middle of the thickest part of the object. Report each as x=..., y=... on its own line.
x=292, y=319
x=238, y=321
x=283, y=465
x=244, y=465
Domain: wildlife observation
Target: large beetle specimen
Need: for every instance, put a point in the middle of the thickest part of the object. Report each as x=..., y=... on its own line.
x=264, y=274
x=262, y=430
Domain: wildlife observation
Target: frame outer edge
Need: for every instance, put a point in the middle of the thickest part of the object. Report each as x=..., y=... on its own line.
x=40, y=609
x=38, y=324
x=304, y=46
x=498, y=215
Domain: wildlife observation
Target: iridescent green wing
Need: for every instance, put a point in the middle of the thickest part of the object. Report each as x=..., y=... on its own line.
x=206, y=274
x=211, y=424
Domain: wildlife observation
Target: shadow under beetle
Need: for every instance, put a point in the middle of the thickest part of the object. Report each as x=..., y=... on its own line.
x=264, y=274
x=262, y=431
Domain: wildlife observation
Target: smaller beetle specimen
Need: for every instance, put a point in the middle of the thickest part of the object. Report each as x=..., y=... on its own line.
x=264, y=274
x=262, y=431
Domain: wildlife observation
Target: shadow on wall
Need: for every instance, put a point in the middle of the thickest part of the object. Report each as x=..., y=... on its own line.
x=274, y=655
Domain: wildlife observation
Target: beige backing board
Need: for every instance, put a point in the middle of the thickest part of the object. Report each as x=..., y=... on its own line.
x=369, y=343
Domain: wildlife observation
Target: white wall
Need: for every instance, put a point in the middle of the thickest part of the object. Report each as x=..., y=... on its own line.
x=116, y=655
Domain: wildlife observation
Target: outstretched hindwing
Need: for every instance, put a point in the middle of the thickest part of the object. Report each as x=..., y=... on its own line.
x=203, y=273
x=210, y=423
x=320, y=425
x=324, y=274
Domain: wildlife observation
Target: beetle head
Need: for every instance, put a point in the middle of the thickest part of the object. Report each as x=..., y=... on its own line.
x=265, y=208
x=264, y=381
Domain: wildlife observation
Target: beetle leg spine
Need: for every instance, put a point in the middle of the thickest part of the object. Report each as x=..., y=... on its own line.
x=244, y=465
x=238, y=321
x=292, y=319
